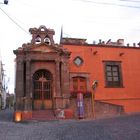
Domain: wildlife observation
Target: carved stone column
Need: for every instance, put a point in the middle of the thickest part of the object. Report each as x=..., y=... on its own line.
x=28, y=102
x=65, y=84
x=58, y=91
x=19, y=85
x=58, y=96
x=28, y=78
x=65, y=78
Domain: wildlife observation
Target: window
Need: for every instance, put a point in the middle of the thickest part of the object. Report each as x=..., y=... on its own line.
x=113, y=74
x=79, y=84
x=78, y=61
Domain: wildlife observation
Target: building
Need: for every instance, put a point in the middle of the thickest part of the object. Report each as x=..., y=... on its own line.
x=2, y=88
x=10, y=100
x=57, y=79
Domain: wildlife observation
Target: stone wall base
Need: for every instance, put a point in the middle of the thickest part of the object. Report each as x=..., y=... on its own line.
x=101, y=110
x=96, y=110
x=22, y=116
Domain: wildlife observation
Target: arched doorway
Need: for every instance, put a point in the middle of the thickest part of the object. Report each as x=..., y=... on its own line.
x=42, y=90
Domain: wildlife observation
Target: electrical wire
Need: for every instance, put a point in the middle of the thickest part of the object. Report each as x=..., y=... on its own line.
x=13, y=21
x=114, y=4
x=130, y=1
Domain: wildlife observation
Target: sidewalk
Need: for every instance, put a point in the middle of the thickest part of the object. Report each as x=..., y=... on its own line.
x=6, y=115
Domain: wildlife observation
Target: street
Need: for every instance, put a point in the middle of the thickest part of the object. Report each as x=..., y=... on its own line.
x=125, y=127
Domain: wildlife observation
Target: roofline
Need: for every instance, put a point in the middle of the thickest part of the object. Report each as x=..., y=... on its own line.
x=101, y=46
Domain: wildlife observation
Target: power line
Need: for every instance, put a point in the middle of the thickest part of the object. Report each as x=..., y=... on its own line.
x=13, y=20
x=114, y=4
x=131, y=1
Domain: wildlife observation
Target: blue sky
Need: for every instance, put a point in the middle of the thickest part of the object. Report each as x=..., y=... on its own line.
x=90, y=19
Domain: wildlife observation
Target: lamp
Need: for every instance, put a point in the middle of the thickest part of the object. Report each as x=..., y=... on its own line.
x=18, y=116
x=94, y=84
x=5, y=1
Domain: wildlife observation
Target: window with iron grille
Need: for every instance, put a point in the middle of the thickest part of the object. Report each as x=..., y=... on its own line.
x=113, y=74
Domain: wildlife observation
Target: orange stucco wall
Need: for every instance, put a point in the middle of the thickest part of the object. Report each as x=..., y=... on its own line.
x=129, y=95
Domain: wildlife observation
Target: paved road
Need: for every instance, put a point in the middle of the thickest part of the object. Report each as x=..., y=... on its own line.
x=119, y=128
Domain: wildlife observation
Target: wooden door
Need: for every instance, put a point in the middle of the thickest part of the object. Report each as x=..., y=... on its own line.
x=42, y=93
x=79, y=84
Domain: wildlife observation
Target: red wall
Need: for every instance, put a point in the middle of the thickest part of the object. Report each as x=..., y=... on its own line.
x=129, y=95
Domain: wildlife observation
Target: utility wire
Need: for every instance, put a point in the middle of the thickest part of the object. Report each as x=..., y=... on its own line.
x=13, y=20
x=130, y=1
x=114, y=4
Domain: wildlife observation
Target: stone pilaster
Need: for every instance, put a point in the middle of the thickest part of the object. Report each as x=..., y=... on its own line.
x=58, y=91
x=28, y=101
x=65, y=84
x=58, y=96
x=28, y=79
x=65, y=78
x=19, y=85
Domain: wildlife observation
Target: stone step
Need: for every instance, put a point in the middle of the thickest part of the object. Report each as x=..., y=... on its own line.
x=43, y=115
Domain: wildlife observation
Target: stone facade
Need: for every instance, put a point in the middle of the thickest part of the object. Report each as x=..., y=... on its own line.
x=42, y=54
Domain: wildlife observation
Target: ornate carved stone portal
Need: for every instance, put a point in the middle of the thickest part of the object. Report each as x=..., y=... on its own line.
x=42, y=74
